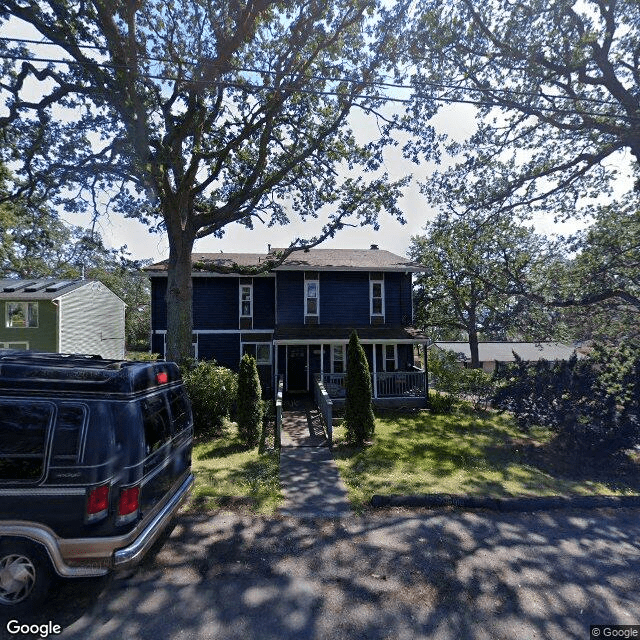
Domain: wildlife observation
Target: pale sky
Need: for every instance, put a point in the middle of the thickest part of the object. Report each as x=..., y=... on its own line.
x=455, y=120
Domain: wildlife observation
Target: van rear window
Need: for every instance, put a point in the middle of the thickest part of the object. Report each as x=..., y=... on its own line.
x=23, y=437
x=179, y=409
x=157, y=426
x=68, y=434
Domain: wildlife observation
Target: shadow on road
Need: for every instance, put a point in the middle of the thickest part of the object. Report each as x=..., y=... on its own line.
x=468, y=576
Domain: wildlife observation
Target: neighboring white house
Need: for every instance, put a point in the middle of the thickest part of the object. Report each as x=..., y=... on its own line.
x=63, y=316
x=491, y=352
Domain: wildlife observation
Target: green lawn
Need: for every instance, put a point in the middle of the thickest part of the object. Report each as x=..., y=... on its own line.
x=461, y=453
x=227, y=474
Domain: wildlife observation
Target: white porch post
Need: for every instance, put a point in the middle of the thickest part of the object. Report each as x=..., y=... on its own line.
x=275, y=367
x=375, y=374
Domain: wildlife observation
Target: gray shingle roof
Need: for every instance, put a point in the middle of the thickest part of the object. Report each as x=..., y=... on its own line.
x=503, y=351
x=314, y=259
x=37, y=288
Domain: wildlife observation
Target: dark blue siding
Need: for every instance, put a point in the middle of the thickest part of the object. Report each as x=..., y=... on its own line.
x=158, y=303
x=264, y=303
x=215, y=303
x=291, y=297
x=157, y=344
x=224, y=348
x=344, y=298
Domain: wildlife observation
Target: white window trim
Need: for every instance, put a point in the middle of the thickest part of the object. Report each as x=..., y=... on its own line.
x=381, y=283
x=250, y=287
x=258, y=344
x=344, y=357
x=8, y=344
x=395, y=356
x=317, y=298
x=26, y=303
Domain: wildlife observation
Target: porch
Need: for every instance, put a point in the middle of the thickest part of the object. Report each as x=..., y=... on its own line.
x=395, y=384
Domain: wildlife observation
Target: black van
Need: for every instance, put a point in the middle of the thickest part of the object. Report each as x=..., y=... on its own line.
x=95, y=458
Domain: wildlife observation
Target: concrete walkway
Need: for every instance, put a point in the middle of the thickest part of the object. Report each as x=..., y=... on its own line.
x=309, y=477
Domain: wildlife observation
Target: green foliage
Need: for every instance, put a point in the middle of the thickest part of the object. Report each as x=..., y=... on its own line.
x=358, y=410
x=473, y=266
x=457, y=382
x=205, y=115
x=592, y=404
x=250, y=407
x=212, y=390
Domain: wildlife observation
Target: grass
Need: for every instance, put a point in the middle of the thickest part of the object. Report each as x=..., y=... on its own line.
x=466, y=453
x=230, y=475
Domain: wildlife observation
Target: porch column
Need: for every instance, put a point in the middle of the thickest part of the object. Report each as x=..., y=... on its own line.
x=275, y=367
x=375, y=374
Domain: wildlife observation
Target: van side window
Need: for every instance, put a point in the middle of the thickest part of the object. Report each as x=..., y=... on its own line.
x=179, y=409
x=23, y=437
x=68, y=434
x=157, y=426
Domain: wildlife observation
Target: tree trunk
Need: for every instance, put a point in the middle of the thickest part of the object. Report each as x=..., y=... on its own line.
x=473, y=347
x=179, y=298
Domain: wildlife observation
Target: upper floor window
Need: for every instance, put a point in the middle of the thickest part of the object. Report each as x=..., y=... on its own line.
x=311, y=297
x=21, y=315
x=246, y=300
x=376, y=295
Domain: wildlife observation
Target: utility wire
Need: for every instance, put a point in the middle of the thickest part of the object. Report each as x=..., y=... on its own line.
x=375, y=84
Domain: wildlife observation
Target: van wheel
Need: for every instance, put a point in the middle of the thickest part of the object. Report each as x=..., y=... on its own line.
x=25, y=574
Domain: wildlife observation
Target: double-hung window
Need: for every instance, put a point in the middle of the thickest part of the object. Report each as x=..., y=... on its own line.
x=337, y=358
x=390, y=357
x=311, y=297
x=21, y=315
x=261, y=351
x=376, y=297
x=246, y=303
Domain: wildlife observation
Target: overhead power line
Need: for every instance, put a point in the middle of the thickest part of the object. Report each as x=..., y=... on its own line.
x=508, y=94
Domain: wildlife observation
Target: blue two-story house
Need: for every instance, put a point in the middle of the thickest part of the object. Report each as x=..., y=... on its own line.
x=296, y=319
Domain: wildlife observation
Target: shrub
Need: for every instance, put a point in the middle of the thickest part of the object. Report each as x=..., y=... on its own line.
x=441, y=403
x=359, y=420
x=212, y=390
x=593, y=404
x=250, y=407
x=456, y=382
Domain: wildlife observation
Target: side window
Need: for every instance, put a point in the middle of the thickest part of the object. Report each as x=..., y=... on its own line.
x=179, y=409
x=157, y=426
x=23, y=437
x=67, y=436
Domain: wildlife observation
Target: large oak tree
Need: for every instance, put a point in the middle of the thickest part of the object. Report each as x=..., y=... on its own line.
x=194, y=114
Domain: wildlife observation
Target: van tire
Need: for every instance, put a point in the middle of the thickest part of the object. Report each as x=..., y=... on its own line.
x=25, y=574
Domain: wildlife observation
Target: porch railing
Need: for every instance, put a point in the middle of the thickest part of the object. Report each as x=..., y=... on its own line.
x=279, y=394
x=324, y=403
x=386, y=384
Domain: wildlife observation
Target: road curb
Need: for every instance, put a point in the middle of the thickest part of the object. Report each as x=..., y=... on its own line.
x=435, y=500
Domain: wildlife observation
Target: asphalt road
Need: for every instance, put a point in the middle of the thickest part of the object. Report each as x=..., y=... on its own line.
x=442, y=575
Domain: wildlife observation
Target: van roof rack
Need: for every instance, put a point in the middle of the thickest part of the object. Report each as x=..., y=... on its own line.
x=61, y=373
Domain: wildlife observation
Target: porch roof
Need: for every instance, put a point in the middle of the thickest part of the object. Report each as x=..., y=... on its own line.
x=327, y=334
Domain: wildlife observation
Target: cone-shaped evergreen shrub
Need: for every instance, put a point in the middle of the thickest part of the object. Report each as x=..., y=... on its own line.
x=249, y=407
x=358, y=411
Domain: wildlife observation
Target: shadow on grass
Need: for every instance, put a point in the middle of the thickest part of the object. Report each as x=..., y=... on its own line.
x=475, y=453
x=255, y=485
x=222, y=449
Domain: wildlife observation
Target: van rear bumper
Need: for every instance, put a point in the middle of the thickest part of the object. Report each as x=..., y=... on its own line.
x=134, y=552
x=91, y=557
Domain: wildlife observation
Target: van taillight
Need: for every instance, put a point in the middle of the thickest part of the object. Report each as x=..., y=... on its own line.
x=129, y=502
x=162, y=377
x=98, y=501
